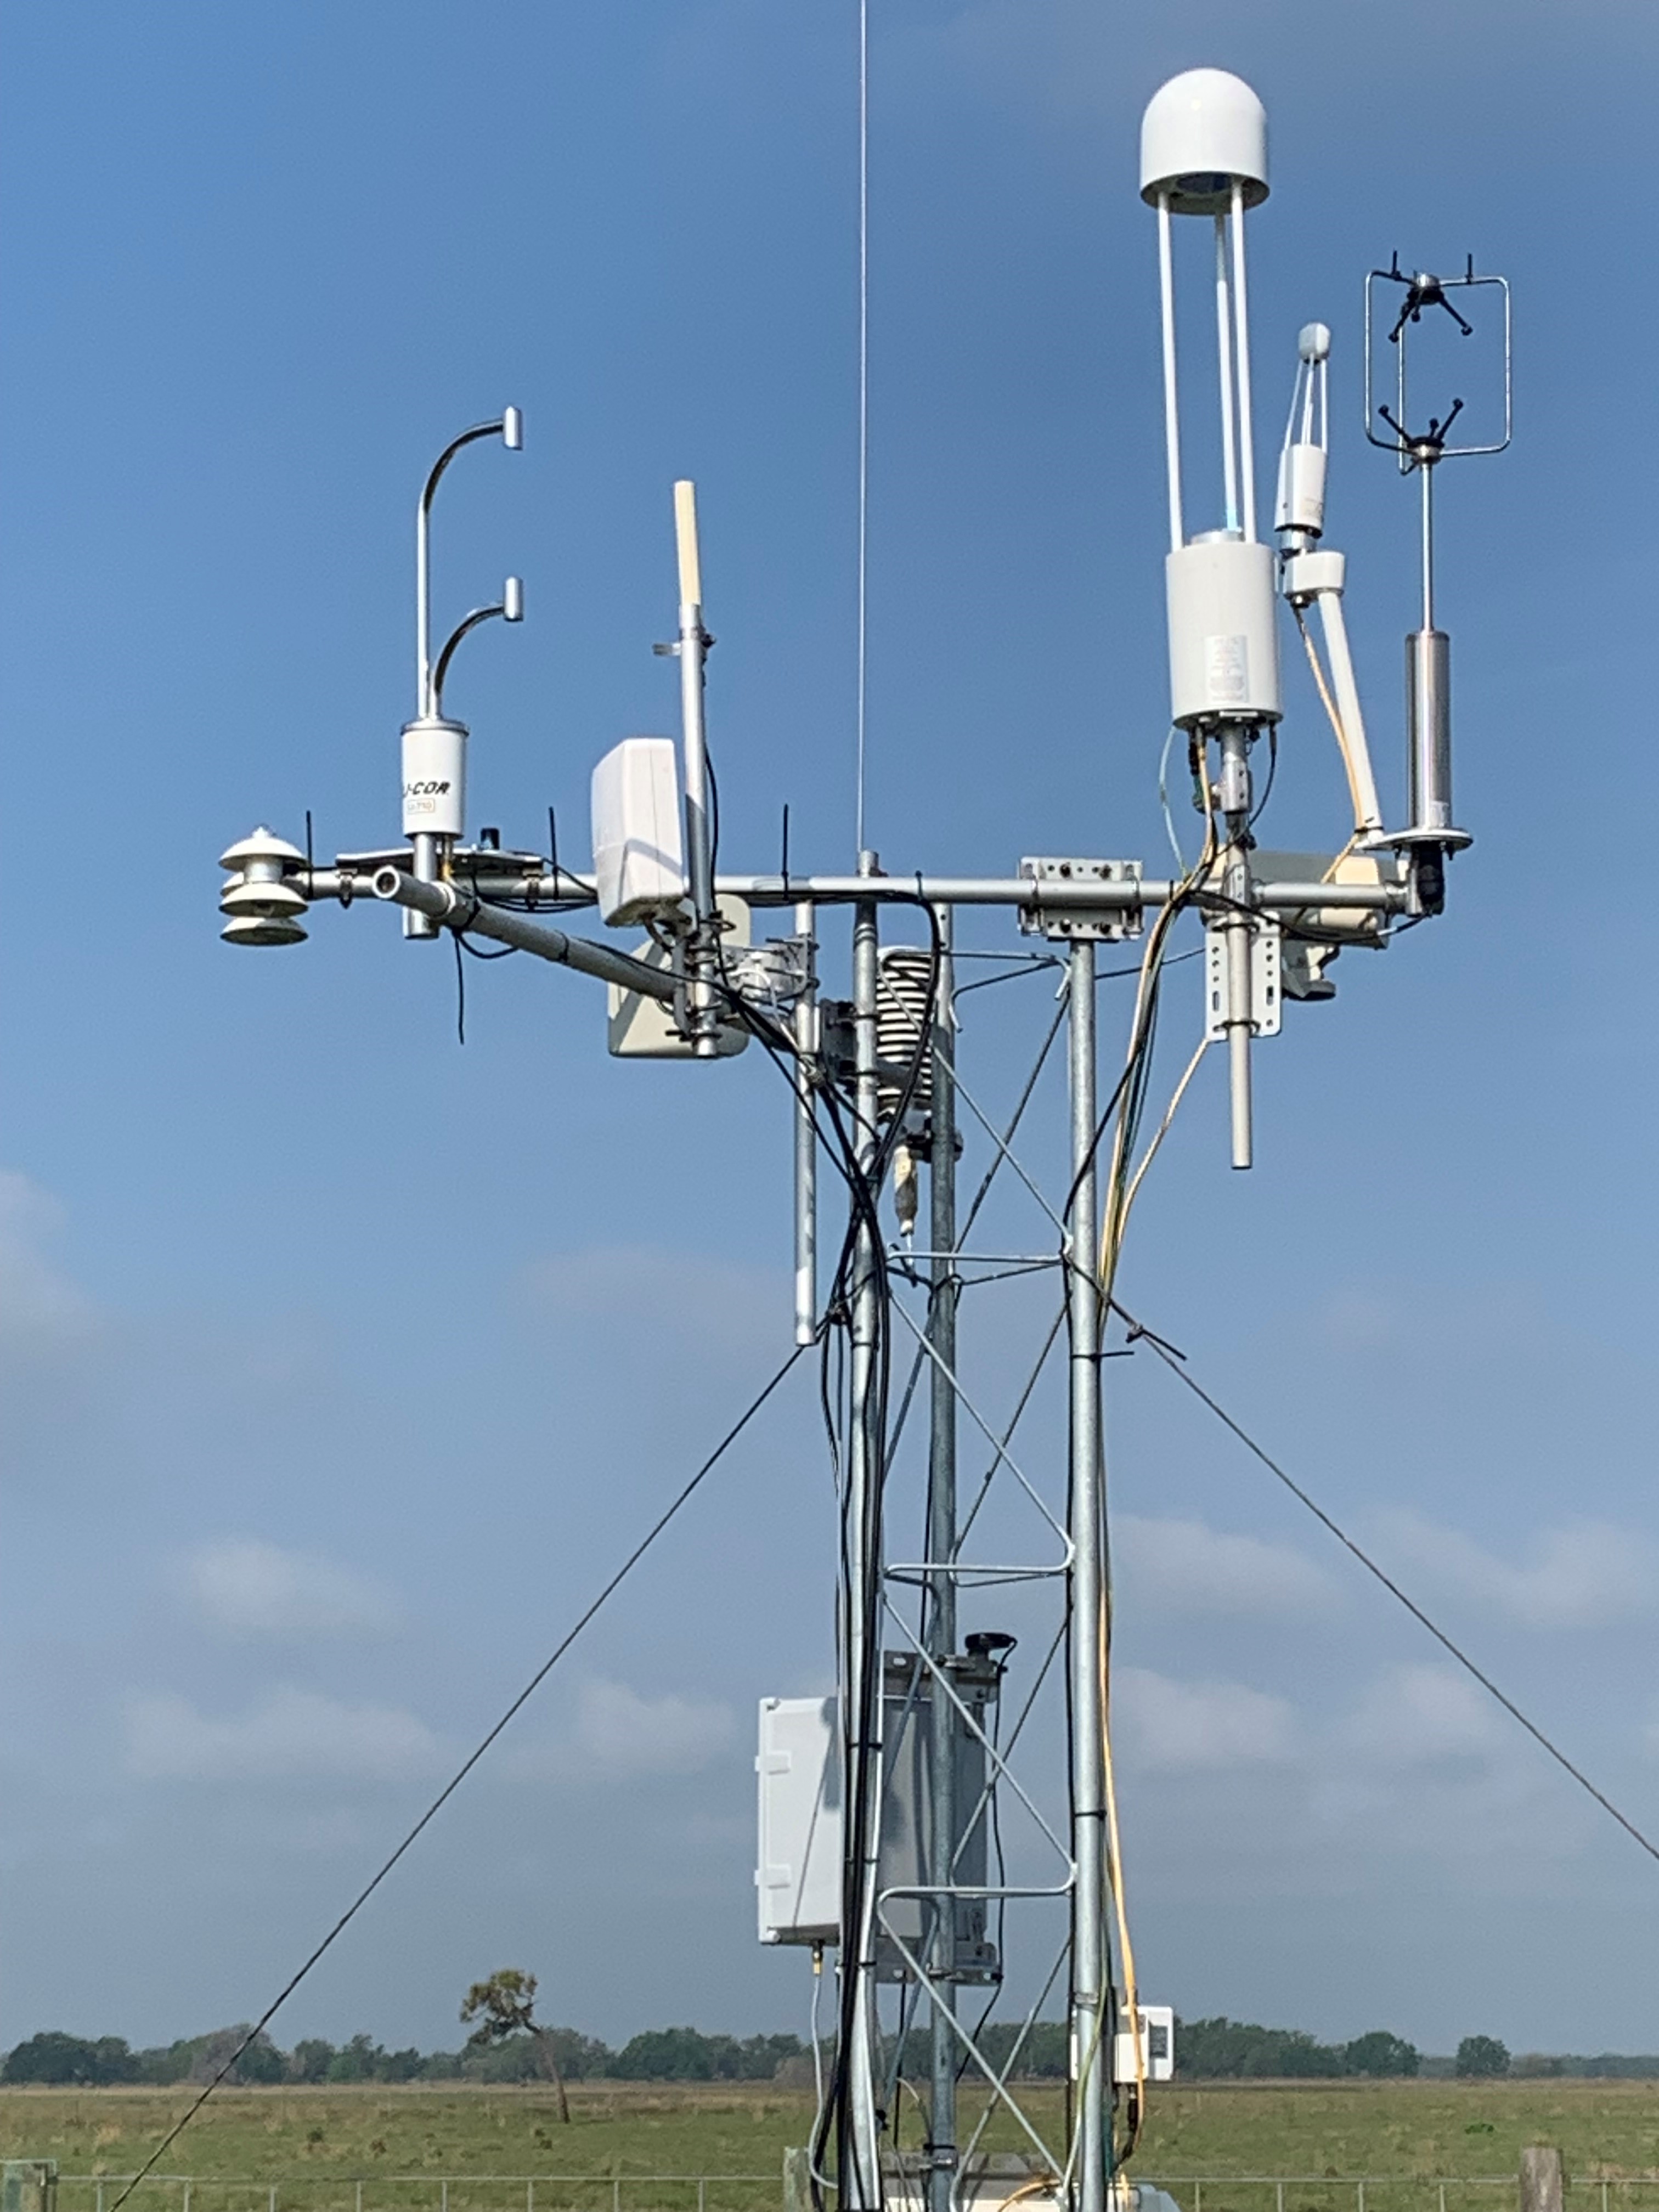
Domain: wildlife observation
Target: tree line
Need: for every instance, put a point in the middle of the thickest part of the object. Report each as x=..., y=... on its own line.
x=1206, y=2050
x=662, y=2054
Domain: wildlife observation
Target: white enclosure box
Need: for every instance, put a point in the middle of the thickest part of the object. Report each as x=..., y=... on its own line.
x=1157, y=2047
x=797, y=1881
x=639, y=864
x=435, y=778
x=1223, y=634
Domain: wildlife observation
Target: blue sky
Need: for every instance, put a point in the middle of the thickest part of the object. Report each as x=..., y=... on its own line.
x=341, y=1362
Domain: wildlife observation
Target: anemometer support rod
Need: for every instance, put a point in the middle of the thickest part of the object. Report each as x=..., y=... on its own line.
x=444, y=903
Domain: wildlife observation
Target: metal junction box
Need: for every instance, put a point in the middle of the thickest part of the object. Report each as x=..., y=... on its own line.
x=797, y=1881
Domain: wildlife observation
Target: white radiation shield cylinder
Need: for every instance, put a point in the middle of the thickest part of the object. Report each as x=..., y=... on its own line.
x=1223, y=634
x=435, y=778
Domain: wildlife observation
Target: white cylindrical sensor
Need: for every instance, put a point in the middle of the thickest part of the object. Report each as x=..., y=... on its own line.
x=435, y=777
x=1301, y=490
x=1223, y=636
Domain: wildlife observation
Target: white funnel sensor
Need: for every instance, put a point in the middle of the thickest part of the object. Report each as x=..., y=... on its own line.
x=1204, y=152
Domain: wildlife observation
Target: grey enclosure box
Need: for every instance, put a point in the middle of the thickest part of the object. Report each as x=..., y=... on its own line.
x=908, y=1689
x=797, y=1879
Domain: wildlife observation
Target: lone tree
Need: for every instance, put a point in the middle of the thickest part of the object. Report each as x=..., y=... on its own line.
x=504, y=2006
x=1481, y=2058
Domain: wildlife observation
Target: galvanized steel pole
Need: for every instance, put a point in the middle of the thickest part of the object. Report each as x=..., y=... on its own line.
x=941, y=1618
x=858, y=2149
x=1091, y=2021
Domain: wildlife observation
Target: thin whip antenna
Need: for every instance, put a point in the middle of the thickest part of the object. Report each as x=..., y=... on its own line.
x=863, y=405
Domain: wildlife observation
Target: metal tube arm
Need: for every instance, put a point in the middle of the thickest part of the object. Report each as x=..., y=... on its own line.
x=444, y=902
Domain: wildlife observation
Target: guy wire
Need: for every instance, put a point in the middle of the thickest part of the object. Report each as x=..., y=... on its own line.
x=1139, y=1334
x=462, y=1772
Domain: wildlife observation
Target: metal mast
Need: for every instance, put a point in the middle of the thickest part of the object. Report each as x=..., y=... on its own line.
x=883, y=1810
x=940, y=1631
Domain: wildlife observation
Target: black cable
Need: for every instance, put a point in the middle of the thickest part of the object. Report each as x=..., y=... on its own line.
x=1175, y=1361
x=464, y=1770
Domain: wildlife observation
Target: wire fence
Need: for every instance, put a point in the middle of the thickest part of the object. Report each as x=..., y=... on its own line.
x=1311, y=2192
x=761, y=2192
x=428, y=2192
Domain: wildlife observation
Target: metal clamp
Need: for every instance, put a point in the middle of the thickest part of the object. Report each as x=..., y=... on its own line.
x=1106, y=924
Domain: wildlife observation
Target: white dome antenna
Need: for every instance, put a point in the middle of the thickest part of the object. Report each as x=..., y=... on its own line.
x=1204, y=132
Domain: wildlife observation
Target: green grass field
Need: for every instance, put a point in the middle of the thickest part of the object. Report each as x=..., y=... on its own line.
x=316, y=2145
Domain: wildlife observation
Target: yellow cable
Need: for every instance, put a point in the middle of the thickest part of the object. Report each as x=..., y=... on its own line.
x=1122, y=1190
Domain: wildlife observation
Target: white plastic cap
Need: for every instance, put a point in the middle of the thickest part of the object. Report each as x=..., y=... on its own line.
x=1203, y=132
x=1313, y=342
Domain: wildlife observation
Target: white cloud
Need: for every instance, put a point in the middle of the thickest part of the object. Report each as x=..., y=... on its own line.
x=1424, y=1716
x=41, y=1310
x=290, y=1733
x=1186, y=1566
x=624, y=1733
x=718, y=1304
x=1192, y=1727
x=254, y=1588
x=1581, y=1576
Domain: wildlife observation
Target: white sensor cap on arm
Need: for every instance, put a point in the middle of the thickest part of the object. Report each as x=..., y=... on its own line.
x=1203, y=132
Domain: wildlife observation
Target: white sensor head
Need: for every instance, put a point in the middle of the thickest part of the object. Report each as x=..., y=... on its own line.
x=1313, y=342
x=513, y=430
x=1202, y=133
x=513, y=598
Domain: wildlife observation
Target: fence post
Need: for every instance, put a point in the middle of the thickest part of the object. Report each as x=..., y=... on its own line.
x=703, y=2192
x=1359, y=2196
x=1541, y=2179
x=616, y=2197
x=443, y=2197
x=360, y=2196
x=1443, y=2197
x=186, y=2202
x=1604, y=2197
x=530, y=2196
x=1278, y=2197
x=271, y=2195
